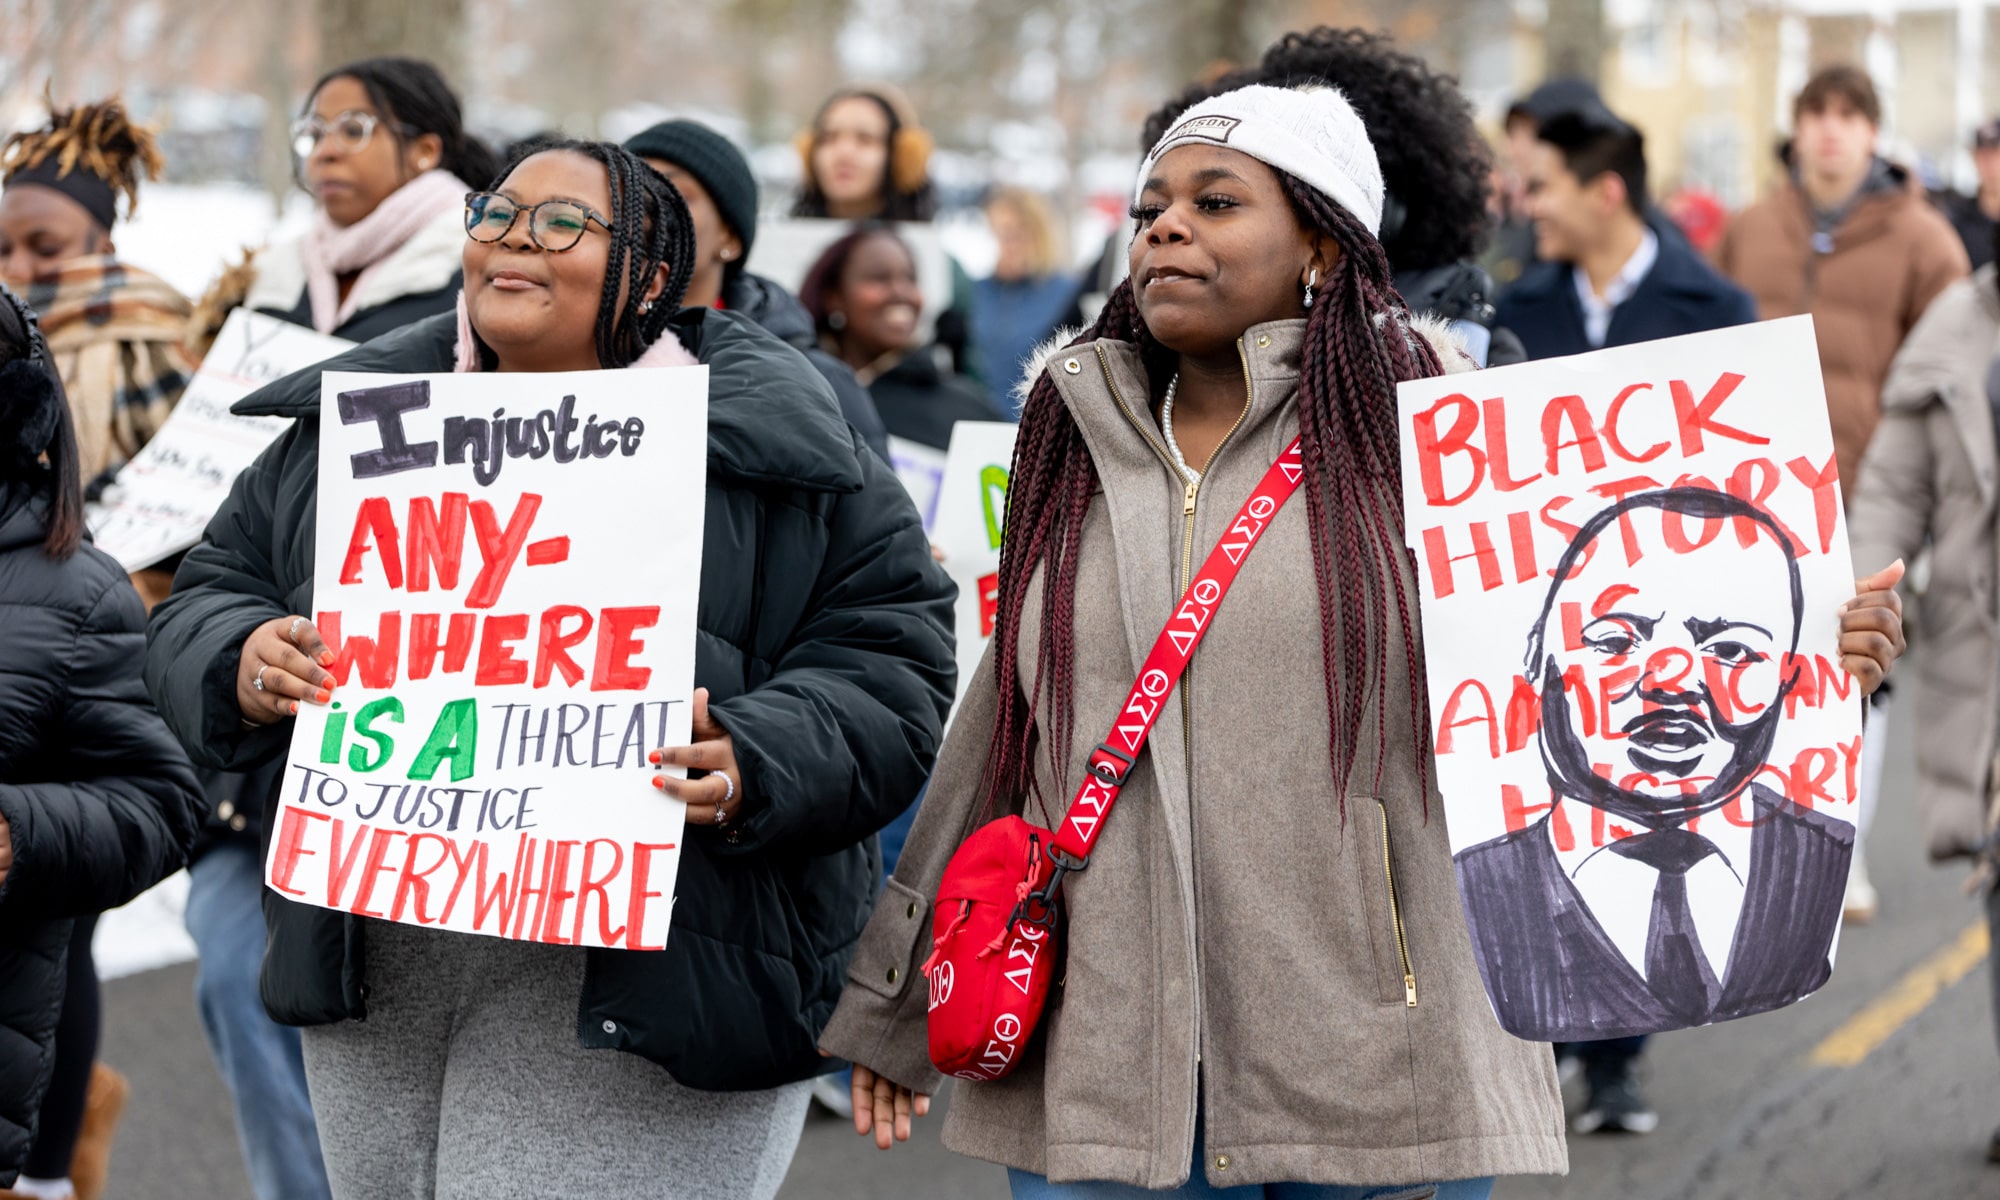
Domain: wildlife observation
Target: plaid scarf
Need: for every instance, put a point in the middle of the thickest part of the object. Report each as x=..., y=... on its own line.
x=115, y=333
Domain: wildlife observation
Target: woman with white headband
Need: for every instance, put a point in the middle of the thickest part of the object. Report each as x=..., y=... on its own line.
x=1268, y=988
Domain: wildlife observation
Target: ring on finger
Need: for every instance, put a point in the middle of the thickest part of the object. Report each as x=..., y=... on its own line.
x=258, y=681
x=292, y=634
x=721, y=815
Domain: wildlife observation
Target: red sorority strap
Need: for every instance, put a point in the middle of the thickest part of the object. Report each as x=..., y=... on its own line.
x=1114, y=757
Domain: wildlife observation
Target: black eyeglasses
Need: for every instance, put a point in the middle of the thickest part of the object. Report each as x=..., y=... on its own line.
x=554, y=225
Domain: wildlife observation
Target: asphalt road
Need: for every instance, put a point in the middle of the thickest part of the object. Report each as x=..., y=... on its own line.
x=1885, y=1084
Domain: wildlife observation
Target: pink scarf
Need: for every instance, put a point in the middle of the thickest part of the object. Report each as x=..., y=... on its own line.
x=667, y=352
x=331, y=251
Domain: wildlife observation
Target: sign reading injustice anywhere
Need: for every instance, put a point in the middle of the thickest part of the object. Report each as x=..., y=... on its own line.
x=164, y=497
x=1632, y=564
x=508, y=570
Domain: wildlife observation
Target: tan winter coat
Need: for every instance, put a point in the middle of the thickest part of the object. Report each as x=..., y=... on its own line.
x=1231, y=916
x=1929, y=476
x=1891, y=257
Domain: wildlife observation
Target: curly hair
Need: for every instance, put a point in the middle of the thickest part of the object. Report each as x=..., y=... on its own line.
x=1357, y=348
x=650, y=225
x=99, y=139
x=1434, y=163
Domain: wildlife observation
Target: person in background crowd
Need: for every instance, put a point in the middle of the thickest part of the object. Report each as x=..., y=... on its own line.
x=865, y=158
x=114, y=332
x=1434, y=167
x=863, y=296
x=1512, y=250
x=1604, y=276
x=1029, y=295
x=97, y=801
x=382, y=147
x=1977, y=217
x=714, y=178
x=1700, y=216
x=1926, y=481
x=824, y=667
x=1849, y=238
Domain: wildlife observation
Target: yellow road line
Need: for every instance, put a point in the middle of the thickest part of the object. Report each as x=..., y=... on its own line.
x=1858, y=1037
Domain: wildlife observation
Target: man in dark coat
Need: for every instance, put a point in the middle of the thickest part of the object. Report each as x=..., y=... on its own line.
x=1609, y=275
x=823, y=638
x=97, y=801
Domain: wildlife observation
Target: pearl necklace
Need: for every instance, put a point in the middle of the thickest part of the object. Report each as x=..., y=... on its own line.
x=1167, y=430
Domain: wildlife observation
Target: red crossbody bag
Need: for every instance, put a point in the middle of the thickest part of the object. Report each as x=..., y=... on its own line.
x=998, y=919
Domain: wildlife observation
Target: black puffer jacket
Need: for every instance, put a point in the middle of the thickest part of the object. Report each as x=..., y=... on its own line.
x=99, y=799
x=824, y=639
x=780, y=312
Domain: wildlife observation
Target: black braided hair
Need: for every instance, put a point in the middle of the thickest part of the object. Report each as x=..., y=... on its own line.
x=650, y=225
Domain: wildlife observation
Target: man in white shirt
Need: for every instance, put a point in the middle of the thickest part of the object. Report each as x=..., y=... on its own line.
x=1609, y=276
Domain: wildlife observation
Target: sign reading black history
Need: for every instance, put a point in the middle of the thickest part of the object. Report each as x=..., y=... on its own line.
x=1633, y=563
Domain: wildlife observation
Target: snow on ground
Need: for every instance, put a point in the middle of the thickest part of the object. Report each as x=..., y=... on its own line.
x=146, y=933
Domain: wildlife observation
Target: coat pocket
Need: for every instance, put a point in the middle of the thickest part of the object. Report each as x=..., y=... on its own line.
x=887, y=955
x=1396, y=977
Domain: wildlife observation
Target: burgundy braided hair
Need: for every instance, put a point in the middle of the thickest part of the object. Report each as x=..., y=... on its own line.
x=1357, y=348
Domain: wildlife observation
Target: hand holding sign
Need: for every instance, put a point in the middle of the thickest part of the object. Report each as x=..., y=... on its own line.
x=1871, y=627
x=717, y=798
x=281, y=665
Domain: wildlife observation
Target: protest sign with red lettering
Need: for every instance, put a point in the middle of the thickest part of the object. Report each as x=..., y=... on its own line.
x=1632, y=564
x=508, y=572
x=971, y=506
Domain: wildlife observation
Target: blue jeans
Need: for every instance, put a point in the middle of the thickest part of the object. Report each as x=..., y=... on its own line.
x=1034, y=1187
x=258, y=1057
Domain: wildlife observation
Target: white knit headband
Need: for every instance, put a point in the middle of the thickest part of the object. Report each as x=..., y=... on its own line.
x=1310, y=132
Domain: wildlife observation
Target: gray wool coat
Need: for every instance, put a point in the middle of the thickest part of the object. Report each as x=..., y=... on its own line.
x=1929, y=477
x=1235, y=939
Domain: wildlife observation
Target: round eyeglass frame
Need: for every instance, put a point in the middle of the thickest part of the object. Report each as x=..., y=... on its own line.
x=532, y=210
x=309, y=132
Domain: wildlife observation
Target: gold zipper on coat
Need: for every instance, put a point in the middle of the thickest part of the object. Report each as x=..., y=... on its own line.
x=1396, y=912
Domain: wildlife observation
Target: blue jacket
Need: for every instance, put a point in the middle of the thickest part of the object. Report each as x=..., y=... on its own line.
x=1681, y=294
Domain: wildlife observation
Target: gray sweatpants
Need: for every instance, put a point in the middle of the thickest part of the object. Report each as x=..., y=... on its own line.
x=466, y=1080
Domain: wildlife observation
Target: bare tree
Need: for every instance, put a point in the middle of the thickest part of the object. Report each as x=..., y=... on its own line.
x=432, y=29
x=1574, y=39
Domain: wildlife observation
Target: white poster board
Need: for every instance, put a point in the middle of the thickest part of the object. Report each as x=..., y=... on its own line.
x=786, y=249
x=1632, y=564
x=164, y=497
x=920, y=469
x=971, y=507
x=510, y=649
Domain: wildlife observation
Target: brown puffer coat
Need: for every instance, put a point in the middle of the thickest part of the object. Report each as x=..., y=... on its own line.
x=1891, y=257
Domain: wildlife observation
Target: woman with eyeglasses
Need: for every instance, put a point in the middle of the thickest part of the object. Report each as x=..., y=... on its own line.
x=382, y=147
x=446, y=1064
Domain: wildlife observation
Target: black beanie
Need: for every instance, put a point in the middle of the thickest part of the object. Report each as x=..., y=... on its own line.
x=719, y=166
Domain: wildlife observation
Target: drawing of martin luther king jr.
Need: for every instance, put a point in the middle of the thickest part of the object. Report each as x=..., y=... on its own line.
x=1699, y=915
